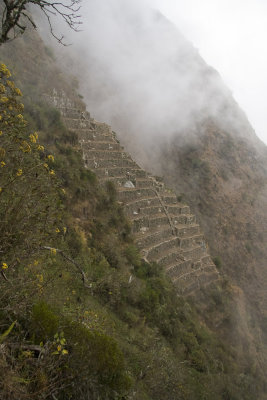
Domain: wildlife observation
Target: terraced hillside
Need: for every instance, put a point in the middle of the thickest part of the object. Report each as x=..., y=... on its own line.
x=164, y=228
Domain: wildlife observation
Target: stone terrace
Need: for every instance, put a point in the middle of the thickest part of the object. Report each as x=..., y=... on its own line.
x=165, y=230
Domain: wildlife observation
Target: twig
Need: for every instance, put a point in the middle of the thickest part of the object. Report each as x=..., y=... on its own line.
x=61, y=252
x=4, y=276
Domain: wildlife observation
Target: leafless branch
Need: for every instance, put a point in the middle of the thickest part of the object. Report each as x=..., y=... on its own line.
x=79, y=268
x=15, y=16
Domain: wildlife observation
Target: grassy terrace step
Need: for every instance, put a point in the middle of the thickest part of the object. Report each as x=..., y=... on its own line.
x=79, y=123
x=145, y=222
x=144, y=183
x=184, y=219
x=131, y=208
x=207, y=277
x=106, y=154
x=122, y=181
x=168, y=257
x=158, y=209
x=86, y=135
x=194, y=253
x=102, y=128
x=150, y=237
x=183, y=231
x=122, y=172
x=192, y=241
x=189, y=283
x=101, y=145
x=178, y=269
x=106, y=163
x=74, y=113
x=127, y=195
x=207, y=260
x=178, y=209
x=154, y=252
x=168, y=198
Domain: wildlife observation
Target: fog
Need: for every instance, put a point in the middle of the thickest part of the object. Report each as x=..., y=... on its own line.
x=231, y=36
x=138, y=73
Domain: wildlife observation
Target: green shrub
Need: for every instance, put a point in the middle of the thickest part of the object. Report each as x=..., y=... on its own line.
x=95, y=362
x=44, y=323
x=217, y=261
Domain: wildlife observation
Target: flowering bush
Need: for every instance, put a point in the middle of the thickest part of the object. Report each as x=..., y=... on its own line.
x=29, y=201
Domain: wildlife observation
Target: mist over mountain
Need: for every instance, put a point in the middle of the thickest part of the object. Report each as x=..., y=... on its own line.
x=143, y=77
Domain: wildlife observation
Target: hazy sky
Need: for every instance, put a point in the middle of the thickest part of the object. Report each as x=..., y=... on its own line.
x=231, y=35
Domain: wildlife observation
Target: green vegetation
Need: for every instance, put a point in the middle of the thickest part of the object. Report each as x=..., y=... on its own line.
x=217, y=261
x=82, y=315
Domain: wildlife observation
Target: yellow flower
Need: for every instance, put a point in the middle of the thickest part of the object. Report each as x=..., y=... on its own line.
x=18, y=92
x=4, y=70
x=25, y=147
x=4, y=99
x=10, y=108
x=19, y=172
x=40, y=278
x=40, y=148
x=46, y=165
x=3, y=164
x=63, y=191
x=53, y=251
x=4, y=265
x=10, y=84
x=64, y=230
x=51, y=158
x=52, y=172
x=57, y=230
x=19, y=116
x=59, y=347
x=64, y=351
x=33, y=138
x=35, y=263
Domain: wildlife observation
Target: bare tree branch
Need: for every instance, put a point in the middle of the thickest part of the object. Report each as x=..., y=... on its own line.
x=61, y=252
x=15, y=16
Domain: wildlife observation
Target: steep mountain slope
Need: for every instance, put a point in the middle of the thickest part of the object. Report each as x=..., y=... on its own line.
x=178, y=119
x=224, y=179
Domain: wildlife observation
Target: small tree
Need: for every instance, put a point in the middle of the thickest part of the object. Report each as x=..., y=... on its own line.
x=15, y=16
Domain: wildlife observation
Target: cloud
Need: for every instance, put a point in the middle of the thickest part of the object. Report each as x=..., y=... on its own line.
x=140, y=74
x=231, y=36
